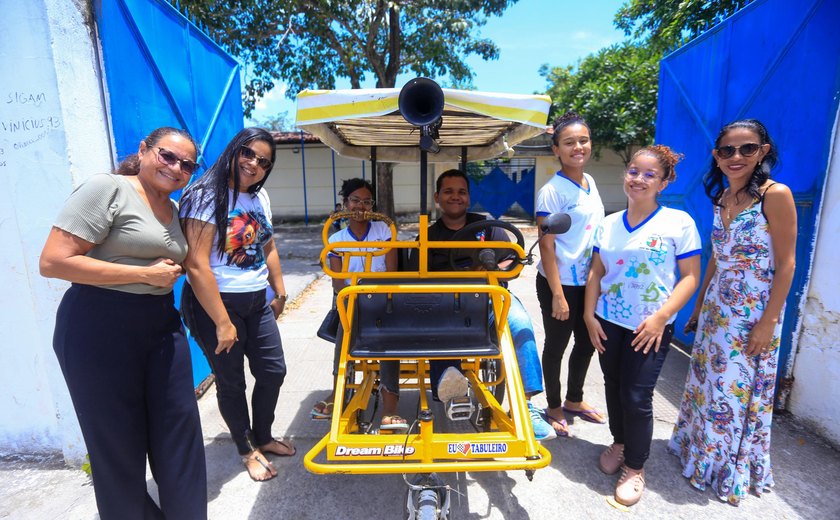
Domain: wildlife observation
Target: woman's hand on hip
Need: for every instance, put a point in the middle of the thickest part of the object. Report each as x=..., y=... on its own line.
x=163, y=272
x=649, y=333
x=225, y=336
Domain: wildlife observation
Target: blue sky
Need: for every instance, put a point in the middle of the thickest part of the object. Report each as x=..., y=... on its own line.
x=530, y=33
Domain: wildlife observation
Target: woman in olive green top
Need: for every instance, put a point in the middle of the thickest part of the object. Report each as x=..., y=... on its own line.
x=118, y=337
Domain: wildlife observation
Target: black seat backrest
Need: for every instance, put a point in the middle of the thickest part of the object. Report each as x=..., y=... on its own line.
x=424, y=325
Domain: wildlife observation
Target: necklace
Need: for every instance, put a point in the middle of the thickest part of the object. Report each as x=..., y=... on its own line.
x=728, y=207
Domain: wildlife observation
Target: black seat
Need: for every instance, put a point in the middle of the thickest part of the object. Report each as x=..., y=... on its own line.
x=423, y=325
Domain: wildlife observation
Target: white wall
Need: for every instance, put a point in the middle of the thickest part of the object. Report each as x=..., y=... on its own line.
x=815, y=397
x=52, y=135
x=285, y=185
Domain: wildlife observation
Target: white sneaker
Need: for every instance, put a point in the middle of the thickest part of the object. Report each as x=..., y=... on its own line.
x=452, y=384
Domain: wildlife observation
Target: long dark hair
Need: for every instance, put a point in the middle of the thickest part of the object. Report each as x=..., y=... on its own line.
x=131, y=164
x=713, y=180
x=211, y=190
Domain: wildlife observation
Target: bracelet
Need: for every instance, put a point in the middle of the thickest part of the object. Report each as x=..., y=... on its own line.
x=281, y=297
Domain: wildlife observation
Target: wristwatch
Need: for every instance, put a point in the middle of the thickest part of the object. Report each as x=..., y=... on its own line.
x=281, y=297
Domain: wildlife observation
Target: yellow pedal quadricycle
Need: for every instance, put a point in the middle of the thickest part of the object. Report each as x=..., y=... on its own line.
x=416, y=316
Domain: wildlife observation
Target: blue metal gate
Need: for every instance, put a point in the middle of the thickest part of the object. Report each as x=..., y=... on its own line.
x=161, y=70
x=497, y=185
x=777, y=61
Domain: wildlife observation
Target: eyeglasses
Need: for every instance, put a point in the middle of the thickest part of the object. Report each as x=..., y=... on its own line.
x=647, y=176
x=168, y=158
x=368, y=203
x=249, y=155
x=746, y=150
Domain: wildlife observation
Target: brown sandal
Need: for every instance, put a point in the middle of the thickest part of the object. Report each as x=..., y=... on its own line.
x=258, y=457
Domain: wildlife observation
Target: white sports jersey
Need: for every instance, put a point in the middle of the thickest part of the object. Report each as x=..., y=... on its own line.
x=572, y=249
x=376, y=232
x=641, y=263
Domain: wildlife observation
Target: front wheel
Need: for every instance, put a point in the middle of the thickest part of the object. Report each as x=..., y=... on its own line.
x=427, y=505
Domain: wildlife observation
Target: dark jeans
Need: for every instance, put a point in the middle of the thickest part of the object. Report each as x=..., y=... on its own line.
x=557, y=335
x=259, y=340
x=629, y=380
x=127, y=366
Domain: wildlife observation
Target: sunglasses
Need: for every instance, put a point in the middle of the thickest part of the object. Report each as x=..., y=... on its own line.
x=249, y=155
x=168, y=158
x=368, y=203
x=746, y=150
x=647, y=176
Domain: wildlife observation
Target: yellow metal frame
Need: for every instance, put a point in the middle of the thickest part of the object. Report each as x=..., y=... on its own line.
x=509, y=445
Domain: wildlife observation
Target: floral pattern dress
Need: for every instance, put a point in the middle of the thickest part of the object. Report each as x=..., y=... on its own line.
x=722, y=435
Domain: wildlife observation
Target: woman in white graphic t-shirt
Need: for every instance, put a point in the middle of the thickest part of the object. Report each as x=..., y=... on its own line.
x=632, y=297
x=231, y=263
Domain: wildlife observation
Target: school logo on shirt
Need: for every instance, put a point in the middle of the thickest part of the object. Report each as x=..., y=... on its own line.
x=656, y=249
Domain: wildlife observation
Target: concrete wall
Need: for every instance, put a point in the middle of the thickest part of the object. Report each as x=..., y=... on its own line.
x=53, y=134
x=815, y=396
x=286, y=187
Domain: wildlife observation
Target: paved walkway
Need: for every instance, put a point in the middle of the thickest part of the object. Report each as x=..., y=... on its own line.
x=807, y=470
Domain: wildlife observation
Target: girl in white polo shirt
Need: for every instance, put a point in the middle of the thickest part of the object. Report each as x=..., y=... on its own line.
x=632, y=297
x=563, y=267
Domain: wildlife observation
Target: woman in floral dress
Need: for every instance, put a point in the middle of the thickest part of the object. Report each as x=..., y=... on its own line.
x=722, y=436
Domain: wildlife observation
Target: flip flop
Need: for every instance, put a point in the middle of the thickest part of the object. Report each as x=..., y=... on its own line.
x=561, y=422
x=586, y=415
x=324, y=413
x=292, y=450
x=395, y=423
x=265, y=464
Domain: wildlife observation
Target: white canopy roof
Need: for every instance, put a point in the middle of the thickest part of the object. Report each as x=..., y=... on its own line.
x=488, y=124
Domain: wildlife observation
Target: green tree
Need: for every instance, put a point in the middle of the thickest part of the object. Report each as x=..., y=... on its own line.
x=280, y=122
x=310, y=43
x=666, y=24
x=615, y=90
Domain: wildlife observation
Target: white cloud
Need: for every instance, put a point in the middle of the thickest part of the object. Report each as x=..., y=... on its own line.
x=273, y=96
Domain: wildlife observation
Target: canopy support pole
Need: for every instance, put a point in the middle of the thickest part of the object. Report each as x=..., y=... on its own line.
x=424, y=173
x=464, y=159
x=374, y=173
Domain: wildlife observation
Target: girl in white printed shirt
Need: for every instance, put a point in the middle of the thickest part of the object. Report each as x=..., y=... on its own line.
x=563, y=268
x=632, y=298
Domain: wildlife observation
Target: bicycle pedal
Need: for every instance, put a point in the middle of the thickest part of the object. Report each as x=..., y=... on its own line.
x=460, y=408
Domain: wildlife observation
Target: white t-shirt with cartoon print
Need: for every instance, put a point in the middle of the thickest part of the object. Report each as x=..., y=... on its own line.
x=376, y=232
x=241, y=268
x=641, y=263
x=572, y=249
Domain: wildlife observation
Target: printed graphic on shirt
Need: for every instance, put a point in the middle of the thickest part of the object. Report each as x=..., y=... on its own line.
x=247, y=232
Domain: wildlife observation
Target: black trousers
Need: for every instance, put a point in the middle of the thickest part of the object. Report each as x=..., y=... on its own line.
x=259, y=340
x=557, y=335
x=629, y=380
x=127, y=366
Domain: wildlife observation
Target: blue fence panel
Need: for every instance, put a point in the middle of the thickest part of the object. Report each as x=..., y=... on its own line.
x=497, y=191
x=161, y=70
x=776, y=61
